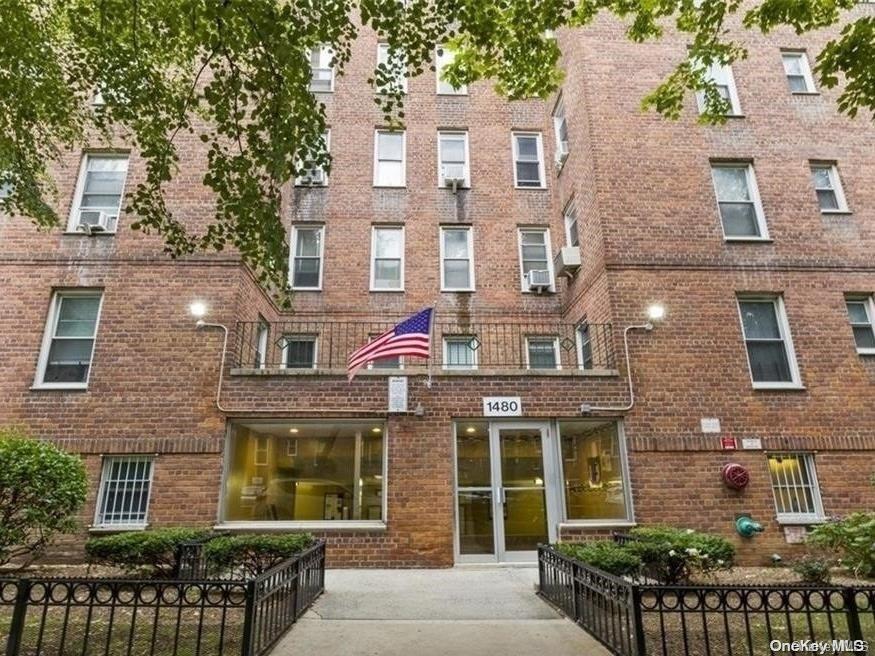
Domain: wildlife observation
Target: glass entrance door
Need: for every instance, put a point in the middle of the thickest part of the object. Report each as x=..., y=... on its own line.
x=505, y=499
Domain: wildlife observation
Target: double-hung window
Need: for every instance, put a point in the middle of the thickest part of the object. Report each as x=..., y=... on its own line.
x=460, y=352
x=313, y=174
x=457, y=260
x=798, y=72
x=453, y=156
x=389, y=159
x=262, y=342
x=99, y=193
x=68, y=344
x=770, y=354
x=391, y=362
x=794, y=486
x=861, y=313
x=528, y=160
x=443, y=58
x=534, y=250
x=391, y=70
x=542, y=352
x=387, y=260
x=299, y=351
x=572, y=238
x=721, y=75
x=307, y=248
x=584, y=346
x=125, y=486
x=5, y=185
x=738, y=200
x=560, y=129
x=828, y=187
x=321, y=71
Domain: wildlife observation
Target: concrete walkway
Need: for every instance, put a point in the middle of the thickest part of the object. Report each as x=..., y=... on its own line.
x=450, y=612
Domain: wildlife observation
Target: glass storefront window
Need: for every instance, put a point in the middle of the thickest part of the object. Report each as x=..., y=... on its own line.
x=304, y=471
x=593, y=470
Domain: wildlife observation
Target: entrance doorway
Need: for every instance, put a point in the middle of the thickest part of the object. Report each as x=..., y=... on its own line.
x=506, y=491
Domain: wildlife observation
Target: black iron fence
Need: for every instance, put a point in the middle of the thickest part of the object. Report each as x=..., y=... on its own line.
x=116, y=617
x=303, y=344
x=634, y=619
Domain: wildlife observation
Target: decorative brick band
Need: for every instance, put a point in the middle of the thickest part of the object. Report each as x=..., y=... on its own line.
x=770, y=443
x=92, y=445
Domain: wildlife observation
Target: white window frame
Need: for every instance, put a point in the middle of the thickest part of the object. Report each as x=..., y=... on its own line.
x=295, y=229
x=373, y=285
x=515, y=153
x=301, y=181
x=287, y=337
x=786, y=338
x=459, y=339
x=100, y=510
x=262, y=342
x=325, y=51
x=559, y=118
x=76, y=206
x=753, y=191
x=261, y=454
x=578, y=342
x=548, y=247
x=836, y=182
x=371, y=363
x=440, y=154
x=722, y=75
x=403, y=182
x=470, y=233
x=382, y=47
x=868, y=303
x=441, y=61
x=805, y=65
x=806, y=460
x=570, y=212
x=556, y=350
x=49, y=336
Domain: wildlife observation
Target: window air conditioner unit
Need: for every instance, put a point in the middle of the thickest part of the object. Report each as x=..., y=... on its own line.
x=567, y=261
x=314, y=177
x=92, y=221
x=562, y=151
x=539, y=280
x=453, y=175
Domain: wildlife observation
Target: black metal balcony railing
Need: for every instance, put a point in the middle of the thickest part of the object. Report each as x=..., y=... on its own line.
x=302, y=345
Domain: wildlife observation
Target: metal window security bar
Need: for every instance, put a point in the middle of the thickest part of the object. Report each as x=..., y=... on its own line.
x=124, y=493
x=792, y=476
x=496, y=345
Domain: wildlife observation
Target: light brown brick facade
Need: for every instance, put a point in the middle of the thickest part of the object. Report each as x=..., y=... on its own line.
x=649, y=231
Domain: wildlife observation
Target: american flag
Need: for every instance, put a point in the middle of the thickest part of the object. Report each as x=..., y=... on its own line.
x=410, y=337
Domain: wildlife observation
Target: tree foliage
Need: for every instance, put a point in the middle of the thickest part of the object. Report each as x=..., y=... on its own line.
x=235, y=73
x=41, y=490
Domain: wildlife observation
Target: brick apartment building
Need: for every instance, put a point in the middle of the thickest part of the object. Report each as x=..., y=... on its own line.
x=540, y=231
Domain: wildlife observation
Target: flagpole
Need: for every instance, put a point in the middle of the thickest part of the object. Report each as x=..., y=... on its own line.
x=431, y=343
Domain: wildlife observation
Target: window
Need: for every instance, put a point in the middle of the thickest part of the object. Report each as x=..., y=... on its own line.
x=333, y=472
x=861, y=311
x=389, y=159
x=387, y=259
x=385, y=70
x=794, y=485
x=542, y=353
x=453, y=159
x=394, y=362
x=312, y=174
x=5, y=187
x=299, y=351
x=261, y=452
x=443, y=58
x=457, y=262
x=262, y=338
x=828, y=187
x=769, y=346
x=738, y=200
x=307, y=244
x=722, y=76
x=534, y=244
x=125, y=485
x=460, y=352
x=321, y=71
x=594, y=471
x=798, y=72
x=570, y=216
x=528, y=160
x=584, y=347
x=99, y=193
x=68, y=345
x=560, y=128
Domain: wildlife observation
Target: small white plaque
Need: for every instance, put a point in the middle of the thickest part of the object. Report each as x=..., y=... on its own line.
x=397, y=393
x=752, y=443
x=710, y=425
x=502, y=406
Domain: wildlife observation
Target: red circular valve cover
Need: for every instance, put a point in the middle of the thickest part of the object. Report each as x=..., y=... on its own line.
x=735, y=476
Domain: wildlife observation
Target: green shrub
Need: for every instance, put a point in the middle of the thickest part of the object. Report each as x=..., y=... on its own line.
x=41, y=490
x=605, y=555
x=813, y=569
x=145, y=553
x=853, y=538
x=253, y=553
x=673, y=555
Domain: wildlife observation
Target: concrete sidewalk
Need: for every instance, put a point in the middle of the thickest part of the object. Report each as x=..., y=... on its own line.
x=451, y=612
